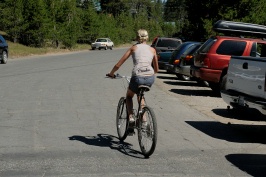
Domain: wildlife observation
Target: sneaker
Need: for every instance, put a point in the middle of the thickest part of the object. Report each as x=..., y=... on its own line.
x=131, y=121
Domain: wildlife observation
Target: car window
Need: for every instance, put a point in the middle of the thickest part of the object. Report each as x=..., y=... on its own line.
x=167, y=43
x=176, y=50
x=253, y=51
x=2, y=40
x=195, y=49
x=204, y=48
x=101, y=40
x=261, y=49
x=231, y=47
x=191, y=49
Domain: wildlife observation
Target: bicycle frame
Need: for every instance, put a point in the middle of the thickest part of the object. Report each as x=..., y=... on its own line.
x=147, y=132
x=140, y=96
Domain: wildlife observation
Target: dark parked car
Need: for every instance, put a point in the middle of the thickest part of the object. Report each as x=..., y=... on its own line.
x=3, y=50
x=164, y=44
x=163, y=58
x=186, y=60
x=183, y=50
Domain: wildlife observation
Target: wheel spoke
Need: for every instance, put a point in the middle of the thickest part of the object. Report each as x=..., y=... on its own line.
x=121, y=119
x=148, y=133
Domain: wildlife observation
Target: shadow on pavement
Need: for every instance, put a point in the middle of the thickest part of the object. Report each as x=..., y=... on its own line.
x=167, y=77
x=232, y=133
x=241, y=114
x=183, y=83
x=104, y=140
x=253, y=164
x=205, y=93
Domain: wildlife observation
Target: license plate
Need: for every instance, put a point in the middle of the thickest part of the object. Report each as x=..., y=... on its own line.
x=177, y=70
x=241, y=101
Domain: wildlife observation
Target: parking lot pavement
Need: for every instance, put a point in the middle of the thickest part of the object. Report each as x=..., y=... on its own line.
x=202, y=99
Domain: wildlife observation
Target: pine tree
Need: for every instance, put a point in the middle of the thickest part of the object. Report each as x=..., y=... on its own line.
x=70, y=29
x=56, y=19
x=36, y=22
x=12, y=18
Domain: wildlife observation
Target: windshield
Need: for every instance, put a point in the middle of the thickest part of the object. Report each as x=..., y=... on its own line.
x=168, y=43
x=101, y=40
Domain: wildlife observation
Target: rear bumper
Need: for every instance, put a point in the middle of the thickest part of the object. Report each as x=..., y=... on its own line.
x=184, y=70
x=162, y=64
x=169, y=67
x=206, y=74
x=237, y=99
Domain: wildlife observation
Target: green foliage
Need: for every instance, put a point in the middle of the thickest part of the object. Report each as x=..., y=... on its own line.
x=65, y=23
x=12, y=18
x=35, y=21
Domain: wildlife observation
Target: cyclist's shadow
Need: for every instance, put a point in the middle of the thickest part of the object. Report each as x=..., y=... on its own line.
x=105, y=140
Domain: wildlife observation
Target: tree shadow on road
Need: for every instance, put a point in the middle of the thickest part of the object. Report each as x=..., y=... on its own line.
x=105, y=140
x=241, y=114
x=167, y=77
x=253, y=164
x=205, y=93
x=232, y=132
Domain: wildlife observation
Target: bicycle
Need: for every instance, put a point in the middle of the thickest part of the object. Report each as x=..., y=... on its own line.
x=147, y=135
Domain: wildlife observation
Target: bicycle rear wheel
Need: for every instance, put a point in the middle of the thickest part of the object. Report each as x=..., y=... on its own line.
x=121, y=119
x=147, y=135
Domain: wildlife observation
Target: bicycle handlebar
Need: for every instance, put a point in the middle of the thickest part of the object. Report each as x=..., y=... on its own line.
x=118, y=76
x=108, y=75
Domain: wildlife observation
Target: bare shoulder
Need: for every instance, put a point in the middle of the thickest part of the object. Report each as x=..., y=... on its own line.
x=133, y=48
x=152, y=50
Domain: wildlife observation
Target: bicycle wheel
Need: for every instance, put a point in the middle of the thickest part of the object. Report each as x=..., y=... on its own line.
x=121, y=119
x=147, y=135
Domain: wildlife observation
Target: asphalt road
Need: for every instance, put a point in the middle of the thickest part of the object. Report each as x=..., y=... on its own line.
x=57, y=118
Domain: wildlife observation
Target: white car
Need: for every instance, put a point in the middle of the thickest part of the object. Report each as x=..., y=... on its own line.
x=104, y=43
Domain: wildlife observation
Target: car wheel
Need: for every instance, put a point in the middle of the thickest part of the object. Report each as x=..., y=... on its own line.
x=185, y=78
x=203, y=83
x=111, y=48
x=223, y=82
x=105, y=47
x=4, y=57
x=93, y=48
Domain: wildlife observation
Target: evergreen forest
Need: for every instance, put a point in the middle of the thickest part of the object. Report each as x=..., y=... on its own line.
x=56, y=23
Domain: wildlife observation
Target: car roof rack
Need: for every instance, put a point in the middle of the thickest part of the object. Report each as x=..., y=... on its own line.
x=240, y=28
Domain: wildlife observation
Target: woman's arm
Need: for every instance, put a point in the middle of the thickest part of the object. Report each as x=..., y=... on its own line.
x=121, y=61
x=155, y=61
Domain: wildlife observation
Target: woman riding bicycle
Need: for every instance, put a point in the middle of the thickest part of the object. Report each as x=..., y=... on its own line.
x=145, y=66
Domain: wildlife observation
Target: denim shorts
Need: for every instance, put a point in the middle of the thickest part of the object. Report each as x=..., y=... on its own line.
x=135, y=81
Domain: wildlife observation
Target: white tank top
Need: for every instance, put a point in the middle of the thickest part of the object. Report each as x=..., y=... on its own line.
x=142, y=59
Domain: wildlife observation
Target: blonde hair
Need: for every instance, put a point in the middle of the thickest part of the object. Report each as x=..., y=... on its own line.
x=142, y=35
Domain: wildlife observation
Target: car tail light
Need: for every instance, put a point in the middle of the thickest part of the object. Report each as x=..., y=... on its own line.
x=188, y=57
x=176, y=61
x=206, y=63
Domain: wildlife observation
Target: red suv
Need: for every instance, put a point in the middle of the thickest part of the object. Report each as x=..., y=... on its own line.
x=212, y=59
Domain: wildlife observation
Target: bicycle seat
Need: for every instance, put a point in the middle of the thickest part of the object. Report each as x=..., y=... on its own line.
x=145, y=88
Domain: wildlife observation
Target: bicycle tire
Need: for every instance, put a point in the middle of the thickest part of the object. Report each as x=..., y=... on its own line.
x=149, y=133
x=121, y=119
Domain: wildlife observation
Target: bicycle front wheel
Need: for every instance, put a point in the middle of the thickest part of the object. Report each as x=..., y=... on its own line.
x=121, y=119
x=147, y=133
